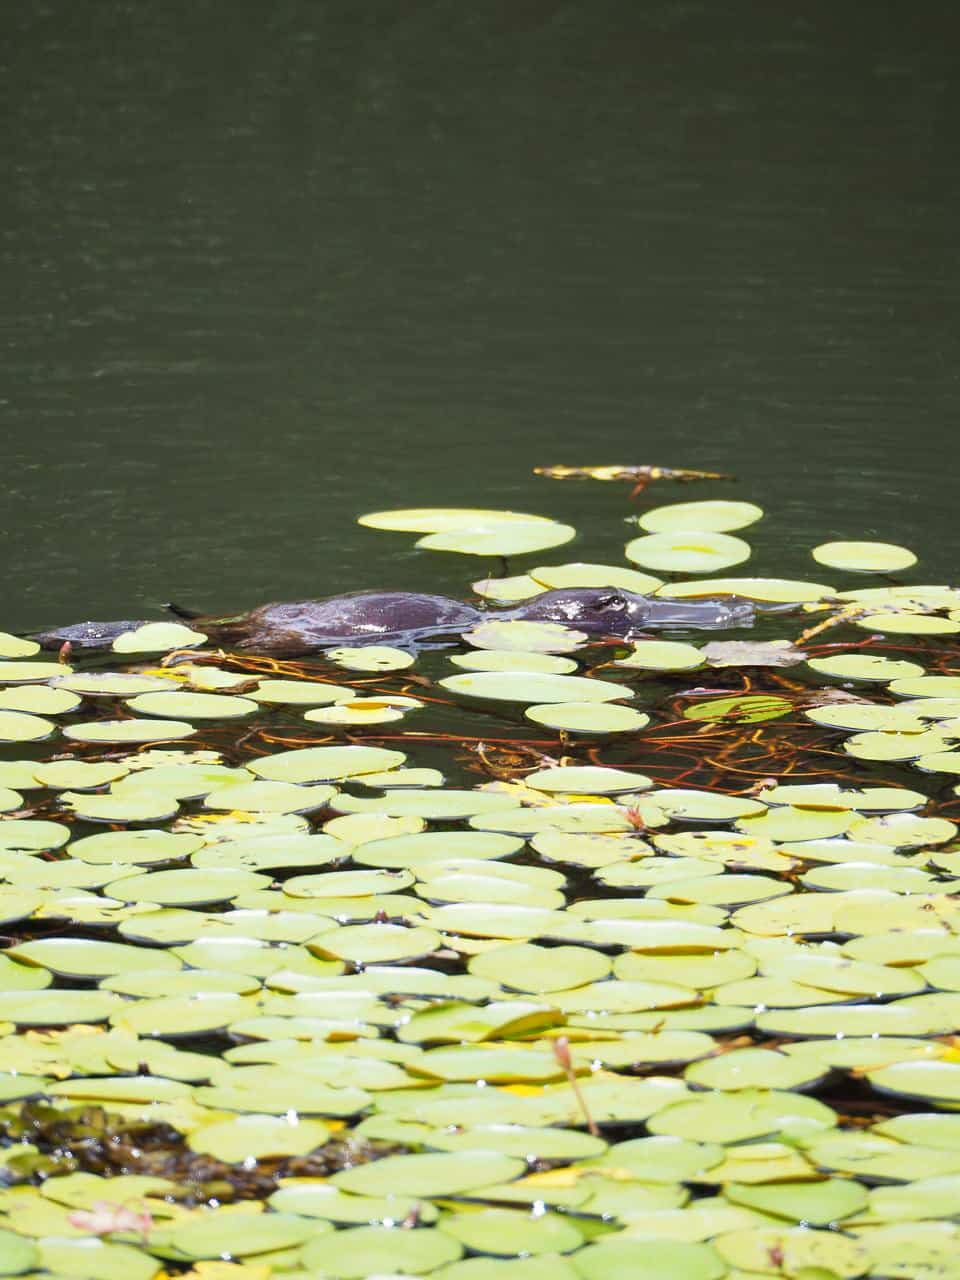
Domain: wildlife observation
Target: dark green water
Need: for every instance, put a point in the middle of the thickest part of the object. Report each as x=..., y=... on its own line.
x=267, y=266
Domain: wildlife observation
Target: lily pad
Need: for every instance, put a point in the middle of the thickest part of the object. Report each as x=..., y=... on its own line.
x=192, y=706
x=588, y=717
x=369, y=1251
x=129, y=731
x=325, y=764
x=687, y=551
x=715, y=515
x=662, y=655
x=554, y=576
x=514, y=660
x=525, y=637
x=500, y=539
x=19, y=726
x=864, y=557
x=373, y=657
x=158, y=637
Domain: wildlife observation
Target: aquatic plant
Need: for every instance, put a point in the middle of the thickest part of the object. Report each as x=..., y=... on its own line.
x=534, y=955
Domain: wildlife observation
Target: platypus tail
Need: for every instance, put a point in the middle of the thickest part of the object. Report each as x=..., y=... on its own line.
x=178, y=611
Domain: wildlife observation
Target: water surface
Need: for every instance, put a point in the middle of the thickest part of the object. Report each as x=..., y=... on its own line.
x=267, y=267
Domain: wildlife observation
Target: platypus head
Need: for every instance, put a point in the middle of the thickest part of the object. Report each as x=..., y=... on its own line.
x=614, y=612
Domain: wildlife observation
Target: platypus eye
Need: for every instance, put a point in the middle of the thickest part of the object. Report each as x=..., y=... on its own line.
x=613, y=601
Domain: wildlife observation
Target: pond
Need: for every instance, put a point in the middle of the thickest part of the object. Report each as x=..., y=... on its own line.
x=520, y=950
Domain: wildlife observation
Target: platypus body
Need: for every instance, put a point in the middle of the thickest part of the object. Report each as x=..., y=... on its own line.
x=411, y=617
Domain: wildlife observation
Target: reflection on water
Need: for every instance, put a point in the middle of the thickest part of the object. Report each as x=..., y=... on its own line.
x=269, y=266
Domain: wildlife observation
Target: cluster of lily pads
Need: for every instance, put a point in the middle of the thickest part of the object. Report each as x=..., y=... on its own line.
x=606, y=1028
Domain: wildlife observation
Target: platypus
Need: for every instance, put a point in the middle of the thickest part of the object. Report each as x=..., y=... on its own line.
x=410, y=617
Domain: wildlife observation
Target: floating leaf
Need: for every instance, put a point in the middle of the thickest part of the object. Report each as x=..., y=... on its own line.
x=716, y=516
x=746, y=709
x=192, y=706
x=500, y=539
x=662, y=655
x=766, y=590
x=372, y=657
x=557, y=576
x=865, y=666
x=587, y=717
x=513, y=660
x=18, y=726
x=527, y=637
x=864, y=557
x=687, y=551
x=129, y=731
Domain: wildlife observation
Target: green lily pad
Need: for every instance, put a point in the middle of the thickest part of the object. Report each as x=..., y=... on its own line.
x=270, y=797
x=761, y=1249
x=930, y=1129
x=141, y=848
x=110, y=684
x=508, y=590
x=130, y=806
x=938, y=1081
x=234, y=1234
x=865, y=666
x=17, y=1254
x=530, y=968
x=374, y=657
x=743, y=1115
x=91, y=1259
x=507, y=1233
x=875, y=1158
x=192, y=706
x=54, y=1007
x=38, y=699
x=864, y=557
x=325, y=764
x=687, y=551
x=706, y=806
x=500, y=539
x=376, y=943
x=129, y=731
x=16, y=646
x=368, y=1251
x=925, y=687
x=79, y=775
x=443, y=519
x=524, y=686
x=432, y=1174
x=586, y=780
x=866, y=715
x=753, y=1069
x=910, y=624
x=662, y=655
x=514, y=660
x=648, y=1259
x=525, y=637
x=19, y=726
x=715, y=516
x=356, y=712
x=300, y=692
x=31, y=672
x=87, y=959
x=767, y=590
x=525, y=1141
x=253, y=1137
x=31, y=835
x=188, y=887
x=414, y=851
x=587, y=717
x=594, y=575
